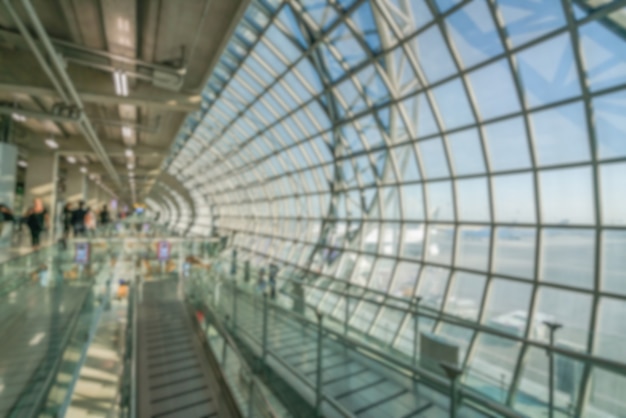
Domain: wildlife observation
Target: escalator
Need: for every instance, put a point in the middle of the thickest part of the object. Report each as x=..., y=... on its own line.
x=175, y=377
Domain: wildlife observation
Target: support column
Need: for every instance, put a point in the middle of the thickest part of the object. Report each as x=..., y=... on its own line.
x=73, y=184
x=39, y=179
x=8, y=176
x=85, y=188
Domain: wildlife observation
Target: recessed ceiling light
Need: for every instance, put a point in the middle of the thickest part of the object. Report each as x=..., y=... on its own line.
x=71, y=159
x=129, y=152
x=22, y=163
x=83, y=169
x=51, y=143
x=130, y=166
x=18, y=118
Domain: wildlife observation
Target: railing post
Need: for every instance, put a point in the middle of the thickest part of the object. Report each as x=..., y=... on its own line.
x=347, y=312
x=251, y=397
x=552, y=328
x=318, y=372
x=416, y=306
x=234, y=304
x=264, y=352
x=453, y=373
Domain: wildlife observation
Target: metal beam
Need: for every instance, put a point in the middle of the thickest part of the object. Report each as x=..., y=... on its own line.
x=151, y=97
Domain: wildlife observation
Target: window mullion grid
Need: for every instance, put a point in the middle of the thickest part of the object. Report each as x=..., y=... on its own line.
x=584, y=388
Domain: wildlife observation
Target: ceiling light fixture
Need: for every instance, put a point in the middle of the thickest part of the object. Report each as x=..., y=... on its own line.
x=18, y=118
x=130, y=166
x=129, y=152
x=22, y=163
x=71, y=159
x=127, y=132
x=51, y=143
x=120, y=81
x=83, y=170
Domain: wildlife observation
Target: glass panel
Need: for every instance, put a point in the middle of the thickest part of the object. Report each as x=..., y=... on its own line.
x=507, y=306
x=611, y=332
x=439, y=247
x=532, y=395
x=412, y=202
x=451, y=95
x=570, y=309
x=604, y=54
x=493, y=90
x=613, y=193
x=433, y=55
x=521, y=19
x=610, y=124
x=458, y=336
x=613, y=267
x=404, y=279
x=560, y=135
x=548, y=72
x=362, y=270
x=474, y=33
x=606, y=397
x=440, y=201
x=387, y=324
x=515, y=252
x=490, y=368
x=567, y=256
x=433, y=158
x=431, y=286
x=514, y=198
x=567, y=196
x=413, y=240
x=466, y=152
x=473, y=200
x=465, y=297
x=381, y=275
x=473, y=247
x=507, y=145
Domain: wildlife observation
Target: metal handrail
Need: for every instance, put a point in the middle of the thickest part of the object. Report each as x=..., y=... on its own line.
x=231, y=343
x=453, y=320
x=342, y=410
x=430, y=379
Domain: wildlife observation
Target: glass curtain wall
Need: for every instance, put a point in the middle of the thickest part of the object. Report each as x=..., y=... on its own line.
x=472, y=153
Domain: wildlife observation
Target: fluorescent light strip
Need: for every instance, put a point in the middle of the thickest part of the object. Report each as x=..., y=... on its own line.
x=118, y=82
x=124, y=80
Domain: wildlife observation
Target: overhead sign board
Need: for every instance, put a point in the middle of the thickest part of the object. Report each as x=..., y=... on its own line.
x=163, y=250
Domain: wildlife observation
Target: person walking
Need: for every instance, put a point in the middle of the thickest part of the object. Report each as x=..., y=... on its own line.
x=37, y=221
x=6, y=215
x=104, y=216
x=78, y=219
x=66, y=220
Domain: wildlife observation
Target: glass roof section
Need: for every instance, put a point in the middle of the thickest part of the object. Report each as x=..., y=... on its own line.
x=471, y=153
